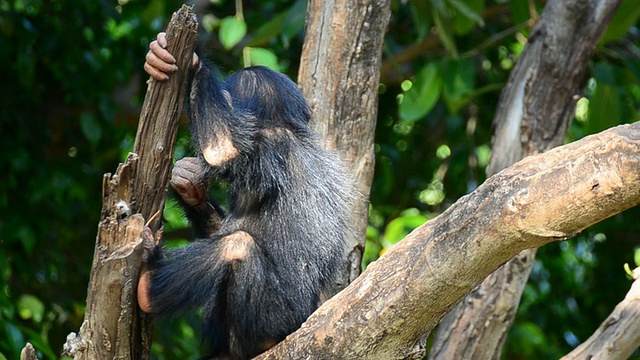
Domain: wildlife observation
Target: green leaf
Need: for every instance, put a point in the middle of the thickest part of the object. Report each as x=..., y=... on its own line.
x=467, y=14
x=268, y=30
x=626, y=16
x=636, y=256
x=627, y=269
x=531, y=332
x=210, y=22
x=445, y=33
x=30, y=307
x=401, y=226
x=296, y=16
x=371, y=251
x=13, y=336
x=423, y=95
x=440, y=6
x=605, y=106
x=605, y=109
x=519, y=11
x=287, y=23
x=174, y=216
x=232, y=30
x=27, y=238
x=459, y=82
x=91, y=128
x=421, y=14
x=260, y=56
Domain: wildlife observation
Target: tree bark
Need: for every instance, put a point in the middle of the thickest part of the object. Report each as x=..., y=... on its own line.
x=159, y=120
x=113, y=326
x=535, y=110
x=339, y=76
x=387, y=312
x=110, y=328
x=28, y=353
x=619, y=335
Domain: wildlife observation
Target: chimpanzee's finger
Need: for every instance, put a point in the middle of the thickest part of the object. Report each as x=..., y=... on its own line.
x=159, y=64
x=155, y=73
x=192, y=194
x=195, y=61
x=161, y=52
x=162, y=39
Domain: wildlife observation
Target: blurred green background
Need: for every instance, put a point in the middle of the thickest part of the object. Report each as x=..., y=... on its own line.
x=71, y=86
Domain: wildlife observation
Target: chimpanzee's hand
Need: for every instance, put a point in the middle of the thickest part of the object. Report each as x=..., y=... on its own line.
x=159, y=62
x=190, y=181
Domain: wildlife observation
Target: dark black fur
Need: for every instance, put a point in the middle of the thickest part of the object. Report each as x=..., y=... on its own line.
x=287, y=192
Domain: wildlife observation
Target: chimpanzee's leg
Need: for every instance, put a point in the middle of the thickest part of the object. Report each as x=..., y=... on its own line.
x=263, y=302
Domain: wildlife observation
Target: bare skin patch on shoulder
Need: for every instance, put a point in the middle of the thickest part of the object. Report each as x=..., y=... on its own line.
x=220, y=152
x=237, y=246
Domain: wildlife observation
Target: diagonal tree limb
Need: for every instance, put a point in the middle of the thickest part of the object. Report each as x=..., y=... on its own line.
x=386, y=312
x=535, y=110
x=159, y=120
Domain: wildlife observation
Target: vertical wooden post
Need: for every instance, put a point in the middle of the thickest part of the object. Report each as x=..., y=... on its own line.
x=114, y=327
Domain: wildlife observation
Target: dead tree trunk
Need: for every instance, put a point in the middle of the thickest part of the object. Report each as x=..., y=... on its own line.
x=535, y=110
x=388, y=311
x=113, y=326
x=339, y=75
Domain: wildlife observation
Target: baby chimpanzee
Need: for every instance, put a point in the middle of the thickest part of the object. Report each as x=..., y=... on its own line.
x=260, y=269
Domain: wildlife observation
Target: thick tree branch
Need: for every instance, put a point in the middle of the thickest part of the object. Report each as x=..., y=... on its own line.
x=535, y=110
x=619, y=335
x=110, y=327
x=400, y=298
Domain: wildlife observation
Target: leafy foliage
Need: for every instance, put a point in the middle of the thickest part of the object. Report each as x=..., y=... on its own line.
x=69, y=102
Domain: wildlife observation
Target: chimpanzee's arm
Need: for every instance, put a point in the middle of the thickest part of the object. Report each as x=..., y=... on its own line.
x=218, y=129
x=190, y=180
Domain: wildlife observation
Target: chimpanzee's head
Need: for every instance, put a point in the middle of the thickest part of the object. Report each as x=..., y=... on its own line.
x=270, y=96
